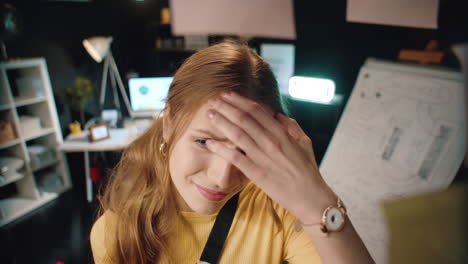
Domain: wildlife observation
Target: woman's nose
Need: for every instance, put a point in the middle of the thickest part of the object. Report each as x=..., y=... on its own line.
x=221, y=173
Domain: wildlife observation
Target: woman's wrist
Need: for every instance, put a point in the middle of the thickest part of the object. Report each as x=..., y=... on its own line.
x=322, y=199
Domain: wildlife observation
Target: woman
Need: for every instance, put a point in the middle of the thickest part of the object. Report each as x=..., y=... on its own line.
x=223, y=136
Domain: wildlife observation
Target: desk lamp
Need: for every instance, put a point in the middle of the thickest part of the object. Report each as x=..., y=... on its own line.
x=99, y=49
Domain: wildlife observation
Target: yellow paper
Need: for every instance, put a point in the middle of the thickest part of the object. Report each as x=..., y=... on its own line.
x=430, y=228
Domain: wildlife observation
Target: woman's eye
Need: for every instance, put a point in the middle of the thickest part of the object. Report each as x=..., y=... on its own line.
x=201, y=142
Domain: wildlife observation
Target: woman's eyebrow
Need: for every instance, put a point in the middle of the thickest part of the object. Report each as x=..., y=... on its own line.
x=211, y=135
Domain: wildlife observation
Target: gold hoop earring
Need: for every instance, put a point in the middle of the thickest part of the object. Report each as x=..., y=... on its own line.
x=162, y=149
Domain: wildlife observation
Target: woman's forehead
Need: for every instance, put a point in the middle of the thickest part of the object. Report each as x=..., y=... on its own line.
x=200, y=120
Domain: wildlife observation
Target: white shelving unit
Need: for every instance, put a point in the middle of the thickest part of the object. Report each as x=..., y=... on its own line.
x=25, y=89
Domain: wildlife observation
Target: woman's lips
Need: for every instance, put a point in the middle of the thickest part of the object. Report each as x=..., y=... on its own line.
x=211, y=195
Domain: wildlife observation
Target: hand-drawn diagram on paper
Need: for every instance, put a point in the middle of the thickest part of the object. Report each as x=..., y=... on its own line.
x=401, y=133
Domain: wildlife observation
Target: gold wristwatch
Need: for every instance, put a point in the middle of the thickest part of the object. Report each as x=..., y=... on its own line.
x=333, y=218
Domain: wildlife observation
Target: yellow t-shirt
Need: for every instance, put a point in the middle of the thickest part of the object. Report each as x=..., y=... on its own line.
x=253, y=237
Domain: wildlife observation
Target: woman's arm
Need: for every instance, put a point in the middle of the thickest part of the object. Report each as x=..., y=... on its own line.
x=278, y=157
x=344, y=246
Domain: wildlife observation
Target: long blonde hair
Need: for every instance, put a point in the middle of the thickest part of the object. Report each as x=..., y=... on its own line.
x=139, y=189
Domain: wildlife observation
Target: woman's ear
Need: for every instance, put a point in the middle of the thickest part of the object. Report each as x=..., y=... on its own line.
x=167, y=129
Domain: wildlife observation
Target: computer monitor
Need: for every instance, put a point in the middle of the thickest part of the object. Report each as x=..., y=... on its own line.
x=148, y=95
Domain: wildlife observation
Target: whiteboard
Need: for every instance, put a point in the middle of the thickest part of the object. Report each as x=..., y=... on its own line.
x=401, y=133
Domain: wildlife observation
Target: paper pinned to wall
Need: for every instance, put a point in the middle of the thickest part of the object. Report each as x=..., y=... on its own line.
x=259, y=18
x=281, y=59
x=404, y=13
x=402, y=133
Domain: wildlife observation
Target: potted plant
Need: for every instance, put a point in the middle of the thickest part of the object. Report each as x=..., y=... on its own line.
x=79, y=94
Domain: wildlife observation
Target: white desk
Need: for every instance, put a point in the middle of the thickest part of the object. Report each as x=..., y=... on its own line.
x=119, y=139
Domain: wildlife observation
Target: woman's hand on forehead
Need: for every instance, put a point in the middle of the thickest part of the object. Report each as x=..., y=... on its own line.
x=275, y=154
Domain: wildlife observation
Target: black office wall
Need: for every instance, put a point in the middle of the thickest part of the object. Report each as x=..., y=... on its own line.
x=326, y=46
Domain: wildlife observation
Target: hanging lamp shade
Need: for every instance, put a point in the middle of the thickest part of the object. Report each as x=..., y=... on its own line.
x=97, y=47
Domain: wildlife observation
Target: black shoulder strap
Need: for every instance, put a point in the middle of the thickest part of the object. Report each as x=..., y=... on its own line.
x=219, y=232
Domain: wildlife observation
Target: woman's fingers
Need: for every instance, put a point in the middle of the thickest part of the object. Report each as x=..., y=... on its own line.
x=257, y=112
x=240, y=120
x=297, y=133
x=250, y=169
x=285, y=121
x=239, y=137
x=261, y=176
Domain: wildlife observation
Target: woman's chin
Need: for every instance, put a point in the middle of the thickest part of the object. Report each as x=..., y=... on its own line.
x=207, y=208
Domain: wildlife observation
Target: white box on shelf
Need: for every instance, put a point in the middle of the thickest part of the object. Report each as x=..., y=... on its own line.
x=29, y=125
x=40, y=155
x=9, y=166
x=28, y=87
x=50, y=181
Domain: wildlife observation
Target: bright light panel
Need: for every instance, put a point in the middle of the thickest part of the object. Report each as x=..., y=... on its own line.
x=316, y=90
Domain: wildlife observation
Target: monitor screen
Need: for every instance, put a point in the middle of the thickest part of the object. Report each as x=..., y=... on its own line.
x=149, y=94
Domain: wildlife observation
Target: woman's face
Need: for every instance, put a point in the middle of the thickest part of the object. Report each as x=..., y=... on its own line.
x=203, y=180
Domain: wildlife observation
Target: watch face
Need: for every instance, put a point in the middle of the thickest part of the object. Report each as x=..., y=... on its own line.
x=334, y=219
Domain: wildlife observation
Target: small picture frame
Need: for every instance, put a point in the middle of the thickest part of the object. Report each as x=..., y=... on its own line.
x=99, y=132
